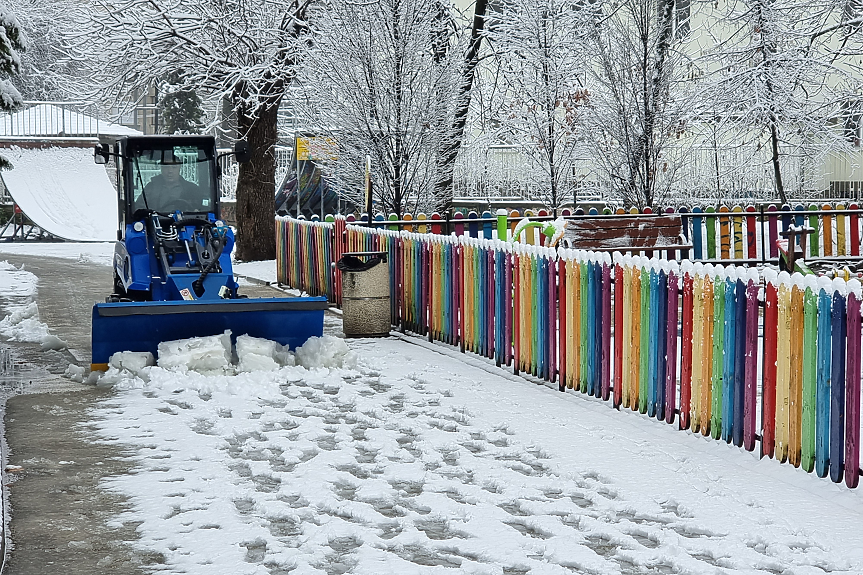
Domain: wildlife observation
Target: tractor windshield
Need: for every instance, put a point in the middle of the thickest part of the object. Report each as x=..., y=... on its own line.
x=173, y=178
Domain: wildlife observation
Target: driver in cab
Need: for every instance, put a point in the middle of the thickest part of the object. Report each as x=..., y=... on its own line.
x=169, y=190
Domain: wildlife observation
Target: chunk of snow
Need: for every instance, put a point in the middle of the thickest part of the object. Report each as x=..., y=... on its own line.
x=202, y=354
x=327, y=351
x=258, y=354
x=840, y=287
x=52, y=342
x=132, y=361
x=752, y=276
x=74, y=373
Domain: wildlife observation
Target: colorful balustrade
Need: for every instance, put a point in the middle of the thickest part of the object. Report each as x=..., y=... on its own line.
x=676, y=341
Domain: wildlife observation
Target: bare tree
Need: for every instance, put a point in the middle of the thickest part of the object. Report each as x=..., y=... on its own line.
x=784, y=73
x=41, y=21
x=639, y=98
x=372, y=81
x=245, y=50
x=542, y=91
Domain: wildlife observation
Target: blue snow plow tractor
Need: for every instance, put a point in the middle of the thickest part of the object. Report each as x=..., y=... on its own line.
x=173, y=277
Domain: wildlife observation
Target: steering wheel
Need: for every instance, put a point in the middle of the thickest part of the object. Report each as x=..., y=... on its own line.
x=184, y=205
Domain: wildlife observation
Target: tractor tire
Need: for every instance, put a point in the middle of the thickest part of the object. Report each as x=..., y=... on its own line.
x=119, y=290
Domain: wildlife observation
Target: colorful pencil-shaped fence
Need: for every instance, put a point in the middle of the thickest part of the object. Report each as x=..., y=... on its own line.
x=678, y=342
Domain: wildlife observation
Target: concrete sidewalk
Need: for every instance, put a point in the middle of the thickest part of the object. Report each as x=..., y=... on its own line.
x=58, y=517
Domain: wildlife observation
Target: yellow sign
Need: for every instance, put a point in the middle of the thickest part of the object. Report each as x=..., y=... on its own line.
x=316, y=148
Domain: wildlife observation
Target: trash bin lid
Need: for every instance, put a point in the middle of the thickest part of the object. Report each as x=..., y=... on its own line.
x=352, y=263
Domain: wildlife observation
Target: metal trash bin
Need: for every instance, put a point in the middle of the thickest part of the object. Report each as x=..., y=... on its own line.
x=365, y=294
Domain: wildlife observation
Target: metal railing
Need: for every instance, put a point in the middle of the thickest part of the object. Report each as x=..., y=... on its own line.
x=51, y=119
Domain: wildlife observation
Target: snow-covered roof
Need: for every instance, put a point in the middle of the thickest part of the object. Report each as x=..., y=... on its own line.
x=51, y=120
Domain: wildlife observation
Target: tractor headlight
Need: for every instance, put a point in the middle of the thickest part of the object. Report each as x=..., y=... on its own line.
x=136, y=245
x=138, y=226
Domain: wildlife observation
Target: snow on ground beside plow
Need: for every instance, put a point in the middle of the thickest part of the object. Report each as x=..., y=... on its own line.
x=418, y=459
x=18, y=288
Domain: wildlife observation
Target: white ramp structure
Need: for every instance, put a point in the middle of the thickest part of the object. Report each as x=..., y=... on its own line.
x=54, y=180
x=63, y=191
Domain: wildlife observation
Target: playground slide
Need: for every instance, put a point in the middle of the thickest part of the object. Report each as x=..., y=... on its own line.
x=63, y=191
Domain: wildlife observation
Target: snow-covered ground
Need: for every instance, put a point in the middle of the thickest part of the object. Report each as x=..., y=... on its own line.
x=400, y=456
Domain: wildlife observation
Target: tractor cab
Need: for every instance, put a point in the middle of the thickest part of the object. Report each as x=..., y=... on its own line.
x=170, y=176
x=171, y=244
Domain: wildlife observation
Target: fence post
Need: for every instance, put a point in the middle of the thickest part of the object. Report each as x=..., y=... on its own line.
x=436, y=228
x=751, y=233
x=473, y=225
x=501, y=225
x=772, y=230
x=710, y=223
x=698, y=251
x=837, y=384
x=827, y=221
x=486, y=226
x=852, y=388
x=458, y=226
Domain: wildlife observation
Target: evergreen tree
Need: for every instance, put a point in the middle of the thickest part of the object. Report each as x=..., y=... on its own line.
x=180, y=108
x=11, y=43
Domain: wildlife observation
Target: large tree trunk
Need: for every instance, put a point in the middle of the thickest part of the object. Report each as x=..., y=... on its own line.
x=654, y=84
x=449, y=147
x=256, y=183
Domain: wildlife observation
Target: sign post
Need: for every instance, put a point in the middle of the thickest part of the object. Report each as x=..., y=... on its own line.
x=368, y=190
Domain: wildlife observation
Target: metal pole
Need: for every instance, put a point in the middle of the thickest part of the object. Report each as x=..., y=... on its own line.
x=369, y=191
x=297, y=156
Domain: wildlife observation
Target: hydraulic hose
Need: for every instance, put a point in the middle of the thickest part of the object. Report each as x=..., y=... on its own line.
x=218, y=242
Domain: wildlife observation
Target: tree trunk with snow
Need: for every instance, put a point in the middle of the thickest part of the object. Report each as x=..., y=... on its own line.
x=256, y=238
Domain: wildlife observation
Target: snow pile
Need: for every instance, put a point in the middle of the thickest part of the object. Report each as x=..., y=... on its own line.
x=212, y=356
x=16, y=282
x=74, y=373
x=555, y=230
x=23, y=325
x=133, y=361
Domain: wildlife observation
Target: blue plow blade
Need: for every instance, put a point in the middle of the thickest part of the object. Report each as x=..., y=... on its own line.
x=141, y=326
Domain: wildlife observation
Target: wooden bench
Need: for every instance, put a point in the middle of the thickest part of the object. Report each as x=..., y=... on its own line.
x=625, y=233
x=792, y=251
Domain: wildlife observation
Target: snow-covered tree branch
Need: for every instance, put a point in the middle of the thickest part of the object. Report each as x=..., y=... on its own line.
x=372, y=79
x=244, y=50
